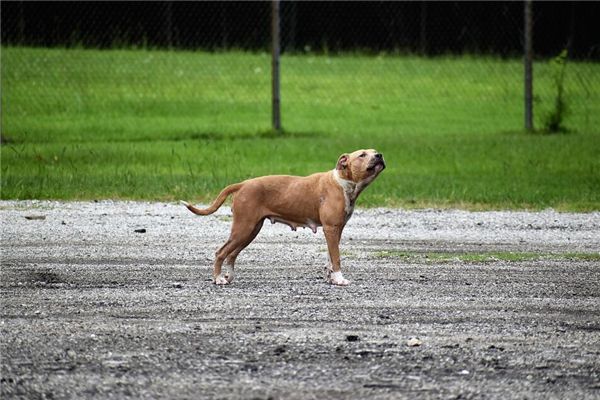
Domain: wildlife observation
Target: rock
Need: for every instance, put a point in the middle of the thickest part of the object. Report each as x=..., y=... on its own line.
x=35, y=217
x=352, y=338
x=142, y=230
x=414, y=342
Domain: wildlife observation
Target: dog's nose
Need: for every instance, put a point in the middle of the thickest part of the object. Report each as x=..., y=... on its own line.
x=379, y=156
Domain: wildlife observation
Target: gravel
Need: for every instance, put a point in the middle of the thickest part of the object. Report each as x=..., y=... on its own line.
x=114, y=299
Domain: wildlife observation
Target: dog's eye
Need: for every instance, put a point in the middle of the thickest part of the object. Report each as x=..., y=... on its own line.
x=363, y=155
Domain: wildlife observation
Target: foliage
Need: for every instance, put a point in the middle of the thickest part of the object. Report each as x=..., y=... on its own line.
x=554, y=120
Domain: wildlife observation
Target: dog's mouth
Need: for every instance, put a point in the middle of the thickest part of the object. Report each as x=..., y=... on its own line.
x=378, y=165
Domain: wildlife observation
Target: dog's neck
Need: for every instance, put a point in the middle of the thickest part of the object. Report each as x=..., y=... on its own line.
x=348, y=186
x=351, y=190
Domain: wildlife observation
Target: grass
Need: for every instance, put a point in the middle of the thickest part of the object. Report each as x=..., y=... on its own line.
x=158, y=125
x=484, y=257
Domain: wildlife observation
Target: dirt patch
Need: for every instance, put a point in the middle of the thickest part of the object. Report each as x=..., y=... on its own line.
x=92, y=309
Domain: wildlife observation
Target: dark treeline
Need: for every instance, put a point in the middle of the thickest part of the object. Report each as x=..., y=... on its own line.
x=421, y=27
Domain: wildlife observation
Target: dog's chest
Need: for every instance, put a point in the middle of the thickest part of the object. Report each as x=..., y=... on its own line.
x=349, y=190
x=349, y=201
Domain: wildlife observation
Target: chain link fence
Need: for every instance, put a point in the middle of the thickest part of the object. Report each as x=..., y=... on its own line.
x=437, y=65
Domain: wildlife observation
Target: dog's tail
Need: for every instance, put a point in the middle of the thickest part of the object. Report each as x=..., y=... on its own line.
x=215, y=204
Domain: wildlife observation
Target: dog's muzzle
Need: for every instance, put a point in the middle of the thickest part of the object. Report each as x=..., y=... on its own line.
x=377, y=163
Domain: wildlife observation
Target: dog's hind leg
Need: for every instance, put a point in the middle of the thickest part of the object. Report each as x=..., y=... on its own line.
x=230, y=261
x=242, y=233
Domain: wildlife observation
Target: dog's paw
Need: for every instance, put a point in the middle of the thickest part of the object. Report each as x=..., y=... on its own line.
x=338, y=279
x=221, y=280
x=340, y=282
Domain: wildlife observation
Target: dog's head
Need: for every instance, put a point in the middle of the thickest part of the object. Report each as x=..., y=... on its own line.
x=361, y=166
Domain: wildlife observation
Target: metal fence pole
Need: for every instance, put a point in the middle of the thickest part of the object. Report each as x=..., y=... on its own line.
x=423, y=29
x=275, y=50
x=528, y=62
x=168, y=25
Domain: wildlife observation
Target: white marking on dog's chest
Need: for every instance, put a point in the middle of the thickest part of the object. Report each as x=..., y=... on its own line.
x=349, y=189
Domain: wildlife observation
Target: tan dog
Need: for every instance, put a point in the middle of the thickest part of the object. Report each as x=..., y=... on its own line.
x=324, y=199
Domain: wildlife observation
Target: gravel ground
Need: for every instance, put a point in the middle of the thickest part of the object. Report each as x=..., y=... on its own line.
x=93, y=309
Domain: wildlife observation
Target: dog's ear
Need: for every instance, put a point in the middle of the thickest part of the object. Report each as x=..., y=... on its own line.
x=342, y=162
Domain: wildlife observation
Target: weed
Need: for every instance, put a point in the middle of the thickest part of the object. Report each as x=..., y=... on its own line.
x=483, y=257
x=554, y=121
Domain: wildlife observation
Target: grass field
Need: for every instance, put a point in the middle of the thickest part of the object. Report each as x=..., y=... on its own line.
x=141, y=124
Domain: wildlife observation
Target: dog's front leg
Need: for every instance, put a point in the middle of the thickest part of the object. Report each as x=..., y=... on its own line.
x=333, y=235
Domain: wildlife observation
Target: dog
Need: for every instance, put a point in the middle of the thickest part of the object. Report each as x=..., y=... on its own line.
x=323, y=199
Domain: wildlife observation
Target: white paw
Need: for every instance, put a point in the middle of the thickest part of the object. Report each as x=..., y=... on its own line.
x=221, y=280
x=228, y=274
x=338, y=279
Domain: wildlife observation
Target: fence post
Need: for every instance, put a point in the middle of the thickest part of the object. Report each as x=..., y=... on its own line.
x=423, y=29
x=168, y=25
x=275, y=50
x=528, y=63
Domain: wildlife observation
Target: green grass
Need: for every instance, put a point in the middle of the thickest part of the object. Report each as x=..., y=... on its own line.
x=484, y=257
x=139, y=124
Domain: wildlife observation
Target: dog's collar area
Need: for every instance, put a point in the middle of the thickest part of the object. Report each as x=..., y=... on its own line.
x=348, y=186
x=350, y=189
